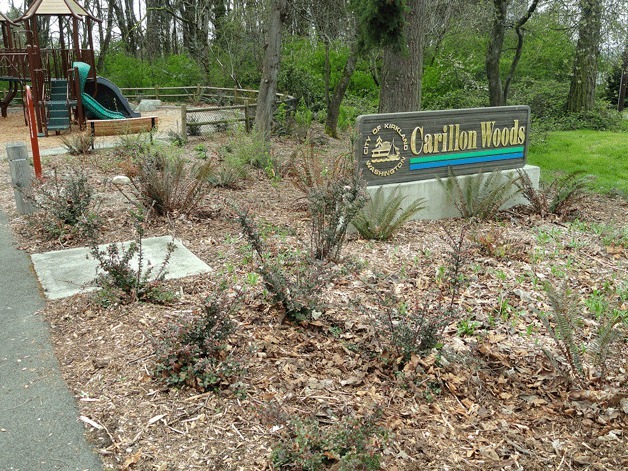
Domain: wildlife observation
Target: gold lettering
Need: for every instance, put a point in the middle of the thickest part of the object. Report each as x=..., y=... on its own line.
x=428, y=144
x=513, y=132
x=438, y=138
x=413, y=140
x=473, y=139
x=464, y=140
x=522, y=134
x=496, y=141
x=505, y=134
x=487, y=132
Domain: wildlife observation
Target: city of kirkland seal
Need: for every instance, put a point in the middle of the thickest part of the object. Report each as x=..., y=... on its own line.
x=383, y=152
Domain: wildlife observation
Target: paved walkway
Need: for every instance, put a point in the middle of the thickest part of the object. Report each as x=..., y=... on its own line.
x=39, y=427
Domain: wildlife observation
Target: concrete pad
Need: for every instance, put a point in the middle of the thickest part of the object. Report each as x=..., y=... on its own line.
x=63, y=273
x=437, y=201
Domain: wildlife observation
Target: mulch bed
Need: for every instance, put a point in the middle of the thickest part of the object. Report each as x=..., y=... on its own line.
x=488, y=399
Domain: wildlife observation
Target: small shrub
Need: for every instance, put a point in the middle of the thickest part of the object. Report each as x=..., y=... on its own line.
x=244, y=151
x=415, y=328
x=68, y=206
x=383, y=216
x=78, y=144
x=295, y=285
x=194, y=351
x=480, y=196
x=564, y=325
x=332, y=208
x=167, y=184
x=560, y=197
x=350, y=444
x=125, y=276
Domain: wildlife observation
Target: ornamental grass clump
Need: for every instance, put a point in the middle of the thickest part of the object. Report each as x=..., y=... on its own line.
x=167, y=184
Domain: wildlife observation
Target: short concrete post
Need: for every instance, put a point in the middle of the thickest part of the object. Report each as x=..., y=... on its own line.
x=21, y=177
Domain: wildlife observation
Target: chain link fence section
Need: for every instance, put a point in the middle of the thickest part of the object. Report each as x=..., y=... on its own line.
x=197, y=121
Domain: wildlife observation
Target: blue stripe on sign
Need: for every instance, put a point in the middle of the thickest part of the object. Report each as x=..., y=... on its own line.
x=473, y=160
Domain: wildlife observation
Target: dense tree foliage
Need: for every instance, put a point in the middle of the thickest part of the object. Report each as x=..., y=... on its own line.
x=341, y=58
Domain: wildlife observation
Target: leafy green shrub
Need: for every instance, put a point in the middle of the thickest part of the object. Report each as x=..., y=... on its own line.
x=68, y=206
x=194, y=351
x=332, y=208
x=294, y=284
x=245, y=151
x=167, y=183
x=480, y=196
x=124, y=275
x=350, y=444
x=382, y=216
x=564, y=325
x=561, y=197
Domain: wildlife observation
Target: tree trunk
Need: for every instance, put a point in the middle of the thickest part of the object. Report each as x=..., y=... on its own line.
x=402, y=71
x=268, y=85
x=582, y=90
x=494, y=52
x=623, y=80
x=333, y=108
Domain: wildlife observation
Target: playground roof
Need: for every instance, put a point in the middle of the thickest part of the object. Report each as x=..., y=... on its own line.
x=4, y=19
x=55, y=8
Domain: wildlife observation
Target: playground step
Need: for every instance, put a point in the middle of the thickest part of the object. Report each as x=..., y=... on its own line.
x=58, y=114
x=58, y=124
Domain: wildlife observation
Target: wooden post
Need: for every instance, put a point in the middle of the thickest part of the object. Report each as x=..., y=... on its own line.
x=21, y=177
x=184, y=123
x=247, y=123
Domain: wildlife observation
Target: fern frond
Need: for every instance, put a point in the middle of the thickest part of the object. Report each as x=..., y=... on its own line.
x=383, y=216
x=600, y=348
x=481, y=196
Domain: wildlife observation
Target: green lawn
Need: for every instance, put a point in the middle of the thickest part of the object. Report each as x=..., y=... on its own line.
x=603, y=154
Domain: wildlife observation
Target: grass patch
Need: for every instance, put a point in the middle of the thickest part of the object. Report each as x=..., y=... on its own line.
x=598, y=153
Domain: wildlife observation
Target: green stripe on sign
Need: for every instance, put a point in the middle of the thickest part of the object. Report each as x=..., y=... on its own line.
x=462, y=155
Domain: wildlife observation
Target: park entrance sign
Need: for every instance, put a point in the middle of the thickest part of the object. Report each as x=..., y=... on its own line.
x=407, y=147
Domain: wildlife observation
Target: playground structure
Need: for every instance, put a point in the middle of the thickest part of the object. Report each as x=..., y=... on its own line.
x=62, y=74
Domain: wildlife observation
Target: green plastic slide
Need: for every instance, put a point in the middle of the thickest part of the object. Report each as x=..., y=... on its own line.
x=89, y=103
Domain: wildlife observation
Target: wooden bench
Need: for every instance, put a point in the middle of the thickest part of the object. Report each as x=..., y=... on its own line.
x=116, y=127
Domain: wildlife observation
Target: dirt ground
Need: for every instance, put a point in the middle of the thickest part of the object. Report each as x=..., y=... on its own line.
x=488, y=398
x=14, y=129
